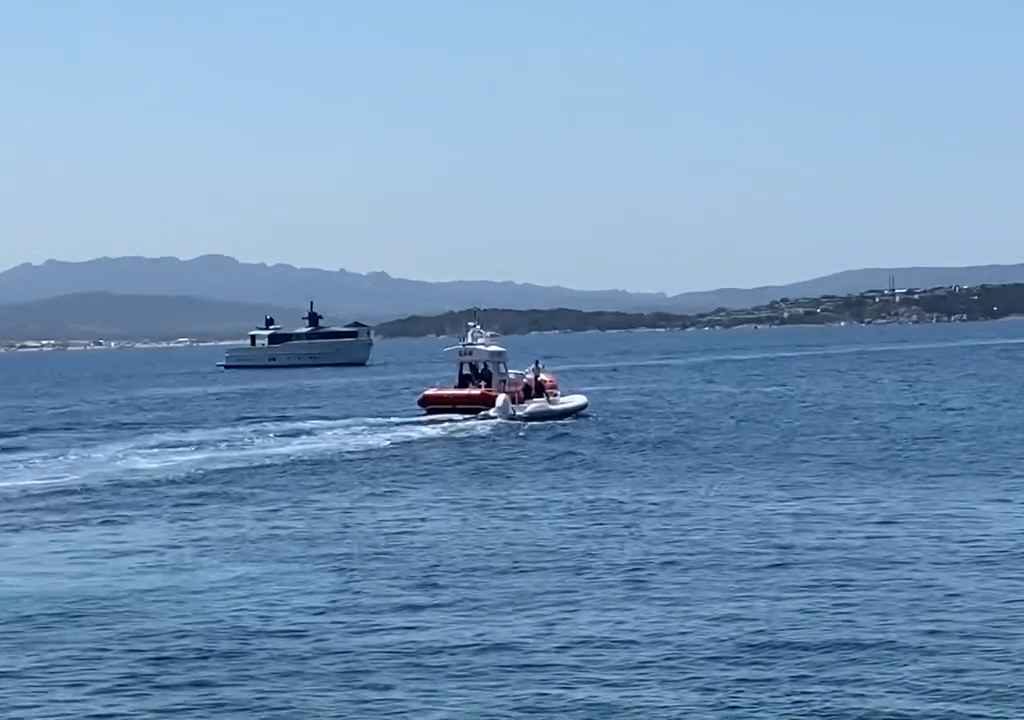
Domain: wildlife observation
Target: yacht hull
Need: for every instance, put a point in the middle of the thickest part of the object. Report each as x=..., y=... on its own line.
x=317, y=353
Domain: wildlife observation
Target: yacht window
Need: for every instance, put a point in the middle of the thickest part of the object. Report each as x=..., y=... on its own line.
x=252, y=341
x=334, y=335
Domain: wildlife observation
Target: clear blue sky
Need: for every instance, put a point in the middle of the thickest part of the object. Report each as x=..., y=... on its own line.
x=647, y=145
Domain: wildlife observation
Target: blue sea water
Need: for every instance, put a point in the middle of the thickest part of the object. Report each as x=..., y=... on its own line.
x=798, y=523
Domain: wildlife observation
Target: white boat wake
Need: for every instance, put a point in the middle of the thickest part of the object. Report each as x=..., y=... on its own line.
x=177, y=453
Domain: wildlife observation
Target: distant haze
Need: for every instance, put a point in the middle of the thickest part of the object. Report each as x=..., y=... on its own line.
x=379, y=296
x=218, y=297
x=645, y=146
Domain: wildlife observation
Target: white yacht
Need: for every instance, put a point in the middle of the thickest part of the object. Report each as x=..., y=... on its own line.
x=313, y=345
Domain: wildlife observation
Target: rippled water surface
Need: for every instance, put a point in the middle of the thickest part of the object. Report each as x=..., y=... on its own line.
x=819, y=523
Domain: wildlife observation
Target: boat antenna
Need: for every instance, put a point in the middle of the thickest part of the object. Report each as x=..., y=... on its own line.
x=313, y=318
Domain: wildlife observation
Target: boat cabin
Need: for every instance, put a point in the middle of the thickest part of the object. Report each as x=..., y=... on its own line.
x=480, y=364
x=272, y=334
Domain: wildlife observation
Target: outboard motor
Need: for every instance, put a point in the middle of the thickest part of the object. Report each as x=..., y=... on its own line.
x=503, y=407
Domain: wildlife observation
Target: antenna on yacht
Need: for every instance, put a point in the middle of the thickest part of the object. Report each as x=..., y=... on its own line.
x=313, y=318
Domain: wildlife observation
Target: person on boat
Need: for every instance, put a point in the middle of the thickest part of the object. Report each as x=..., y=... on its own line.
x=486, y=376
x=538, y=384
x=465, y=377
x=526, y=390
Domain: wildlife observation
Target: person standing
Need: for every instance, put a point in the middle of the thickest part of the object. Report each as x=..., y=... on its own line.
x=538, y=383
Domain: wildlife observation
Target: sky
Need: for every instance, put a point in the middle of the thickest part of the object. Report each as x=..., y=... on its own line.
x=664, y=146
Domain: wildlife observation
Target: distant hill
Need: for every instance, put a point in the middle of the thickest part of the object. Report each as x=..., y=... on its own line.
x=88, y=316
x=521, y=322
x=373, y=296
x=847, y=282
x=940, y=304
x=378, y=296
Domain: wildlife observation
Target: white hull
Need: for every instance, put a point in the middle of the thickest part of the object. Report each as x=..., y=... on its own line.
x=311, y=353
x=556, y=409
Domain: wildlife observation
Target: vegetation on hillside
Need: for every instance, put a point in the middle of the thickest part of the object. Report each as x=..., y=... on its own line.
x=942, y=304
x=521, y=322
x=88, y=316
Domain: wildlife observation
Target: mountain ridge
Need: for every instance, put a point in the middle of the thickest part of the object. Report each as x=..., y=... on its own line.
x=111, y=316
x=108, y=316
x=378, y=296
x=374, y=295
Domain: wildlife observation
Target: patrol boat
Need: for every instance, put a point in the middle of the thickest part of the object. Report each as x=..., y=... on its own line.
x=485, y=386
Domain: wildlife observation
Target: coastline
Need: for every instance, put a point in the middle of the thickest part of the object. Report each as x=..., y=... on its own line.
x=59, y=345
x=955, y=304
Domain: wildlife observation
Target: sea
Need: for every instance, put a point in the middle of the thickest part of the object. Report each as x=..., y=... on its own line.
x=753, y=523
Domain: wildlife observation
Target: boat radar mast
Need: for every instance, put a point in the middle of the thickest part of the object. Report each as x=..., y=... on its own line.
x=313, y=318
x=475, y=333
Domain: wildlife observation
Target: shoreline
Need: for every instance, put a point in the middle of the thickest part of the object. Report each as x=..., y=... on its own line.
x=60, y=345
